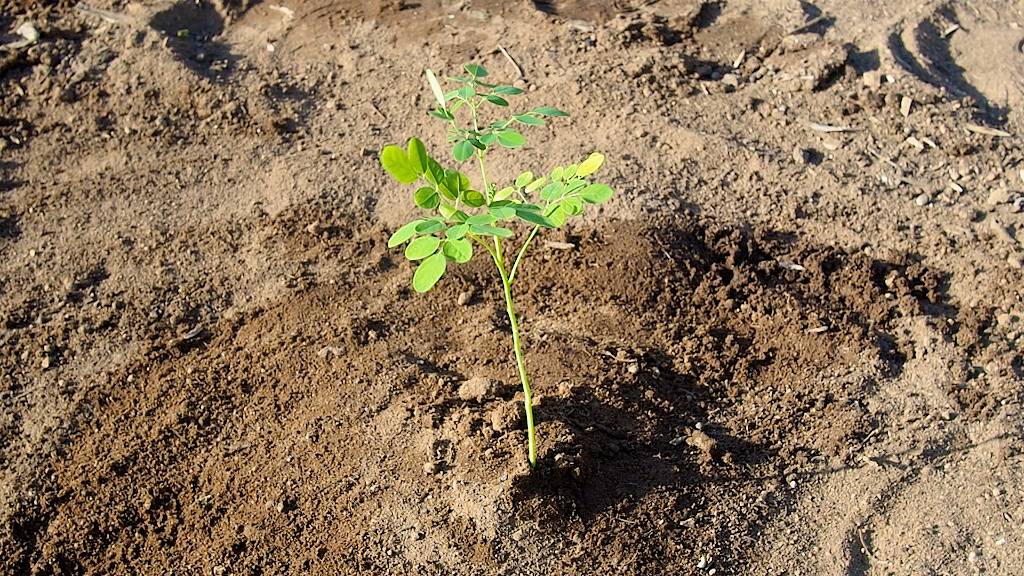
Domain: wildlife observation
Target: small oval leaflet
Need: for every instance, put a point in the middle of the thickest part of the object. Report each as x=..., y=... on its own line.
x=426, y=198
x=463, y=150
x=458, y=250
x=396, y=162
x=422, y=247
x=435, y=87
x=597, y=193
x=404, y=233
x=591, y=164
x=511, y=139
x=429, y=272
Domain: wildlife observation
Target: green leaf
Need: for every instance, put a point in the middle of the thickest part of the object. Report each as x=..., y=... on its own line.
x=475, y=70
x=574, y=185
x=552, y=191
x=466, y=92
x=557, y=172
x=473, y=199
x=477, y=144
x=460, y=250
x=570, y=171
x=534, y=217
x=556, y=215
x=404, y=233
x=441, y=113
x=429, y=272
x=480, y=220
x=491, y=231
x=488, y=139
x=422, y=247
x=396, y=162
x=572, y=206
x=418, y=159
x=496, y=100
x=426, y=198
x=530, y=120
x=533, y=186
x=457, y=231
x=549, y=111
x=591, y=164
x=430, y=226
x=524, y=179
x=510, y=138
x=504, y=193
x=463, y=150
x=502, y=212
x=507, y=90
x=597, y=193
x=435, y=87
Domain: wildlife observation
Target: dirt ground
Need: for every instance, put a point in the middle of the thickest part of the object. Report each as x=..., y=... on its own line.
x=789, y=345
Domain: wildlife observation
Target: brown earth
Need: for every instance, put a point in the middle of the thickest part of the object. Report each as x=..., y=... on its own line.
x=781, y=349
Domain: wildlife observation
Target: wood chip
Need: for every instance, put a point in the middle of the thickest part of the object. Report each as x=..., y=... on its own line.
x=828, y=129
x=986, y=131
x=512, y=61
x=739, y=59
x=949, y=31
x=817, y=330
x=791, y=266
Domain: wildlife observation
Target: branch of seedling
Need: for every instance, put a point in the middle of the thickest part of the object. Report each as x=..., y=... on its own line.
x=459, y=215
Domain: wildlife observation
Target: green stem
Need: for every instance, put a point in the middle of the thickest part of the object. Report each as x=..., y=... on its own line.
x=506, y=283
x=522, y=252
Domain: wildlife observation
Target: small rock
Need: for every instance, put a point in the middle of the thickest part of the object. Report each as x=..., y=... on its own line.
x=801, y=155
x=46, y=362
x=477, y=389
x=1015, y=262
x=923, y=199
x=872, y=79
x=465, y=297
x=430, y=468
x=1001, y=232
x=998, y=196
x=506, y=416
x=706, y=444
x=905, y=103
x=731, y=82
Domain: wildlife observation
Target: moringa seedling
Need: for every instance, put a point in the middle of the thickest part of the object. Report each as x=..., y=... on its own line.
x=460, y=214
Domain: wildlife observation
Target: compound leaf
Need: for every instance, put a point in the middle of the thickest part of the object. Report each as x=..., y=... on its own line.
x=480, y=220
x=429, y=272
x=422, y=247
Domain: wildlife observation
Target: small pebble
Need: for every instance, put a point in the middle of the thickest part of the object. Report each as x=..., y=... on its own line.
x=430, y=468
x=465, y=297
x=922, y=199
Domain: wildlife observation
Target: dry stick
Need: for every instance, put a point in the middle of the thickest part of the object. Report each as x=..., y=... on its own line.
x=519, y=69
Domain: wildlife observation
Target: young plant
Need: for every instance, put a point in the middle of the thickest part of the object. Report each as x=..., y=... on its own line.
x=460, y=214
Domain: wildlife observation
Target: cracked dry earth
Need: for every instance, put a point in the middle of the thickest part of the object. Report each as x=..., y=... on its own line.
x=790, y=344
